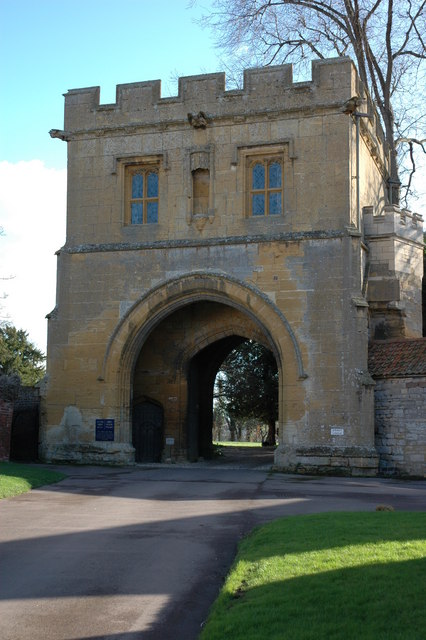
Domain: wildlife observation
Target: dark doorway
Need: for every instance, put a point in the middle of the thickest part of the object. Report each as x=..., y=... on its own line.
x=25, y=427
x=148, y=431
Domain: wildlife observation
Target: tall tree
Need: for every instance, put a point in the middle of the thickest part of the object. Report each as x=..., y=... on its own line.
x=386, y=38
x=20, y=356
x=249, y=385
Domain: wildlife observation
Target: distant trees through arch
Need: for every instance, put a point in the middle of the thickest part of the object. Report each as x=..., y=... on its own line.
x=246, y=395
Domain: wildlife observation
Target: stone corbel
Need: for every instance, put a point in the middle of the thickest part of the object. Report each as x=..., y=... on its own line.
x=359, y=302
x=59, y=133
x=200, y=158
x=364, y=378
x=198, y=120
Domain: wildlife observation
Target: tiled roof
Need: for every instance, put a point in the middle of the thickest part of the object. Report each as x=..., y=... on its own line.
x=397, y=358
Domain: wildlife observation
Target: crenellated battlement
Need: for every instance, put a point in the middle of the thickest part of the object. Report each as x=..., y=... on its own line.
x=395, y=241
x=393, y=222
x=269, y=89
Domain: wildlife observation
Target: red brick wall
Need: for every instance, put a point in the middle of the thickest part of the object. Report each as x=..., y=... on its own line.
x=6, y=413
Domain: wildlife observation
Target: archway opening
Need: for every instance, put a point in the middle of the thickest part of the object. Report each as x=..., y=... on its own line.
x=246, y=396
x=202, y=374
x=174, y=377
x=232, y=401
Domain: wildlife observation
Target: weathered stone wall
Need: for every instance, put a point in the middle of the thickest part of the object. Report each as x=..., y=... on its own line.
x=132, y=298
x=400, y=417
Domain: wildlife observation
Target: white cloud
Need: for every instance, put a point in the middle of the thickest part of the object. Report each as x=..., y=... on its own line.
x=32, y=214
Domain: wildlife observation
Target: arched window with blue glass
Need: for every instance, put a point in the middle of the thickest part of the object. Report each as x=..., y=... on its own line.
x=266, y=187
x=143, y=190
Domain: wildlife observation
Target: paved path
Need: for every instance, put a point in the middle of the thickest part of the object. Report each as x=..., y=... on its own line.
x=140, y=553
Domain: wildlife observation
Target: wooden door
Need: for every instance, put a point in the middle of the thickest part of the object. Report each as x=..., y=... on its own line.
x=148, y=432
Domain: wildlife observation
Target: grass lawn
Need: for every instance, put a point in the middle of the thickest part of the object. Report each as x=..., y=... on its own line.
x=17, y=478
x=237, y=444
x=333, y=576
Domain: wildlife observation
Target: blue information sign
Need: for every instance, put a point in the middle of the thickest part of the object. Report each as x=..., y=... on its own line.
x=105, y=430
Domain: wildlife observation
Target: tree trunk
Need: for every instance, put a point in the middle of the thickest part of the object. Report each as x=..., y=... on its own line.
x=270, y=440
x=394, y=181
x=232, y=428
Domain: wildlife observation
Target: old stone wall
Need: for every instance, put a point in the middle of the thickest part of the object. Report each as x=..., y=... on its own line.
x=400, y=419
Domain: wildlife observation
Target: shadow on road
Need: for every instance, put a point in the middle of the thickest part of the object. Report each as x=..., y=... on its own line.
x=109, y=542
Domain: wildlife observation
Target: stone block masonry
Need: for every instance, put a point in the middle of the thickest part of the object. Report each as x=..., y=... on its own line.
x=399, y=370
x=400, y=418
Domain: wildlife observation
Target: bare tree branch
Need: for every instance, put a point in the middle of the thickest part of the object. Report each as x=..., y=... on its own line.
x=412, y=141
x=385, y=37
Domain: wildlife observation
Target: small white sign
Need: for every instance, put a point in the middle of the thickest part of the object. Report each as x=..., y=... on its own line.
x=337, y=431
x=170, y=441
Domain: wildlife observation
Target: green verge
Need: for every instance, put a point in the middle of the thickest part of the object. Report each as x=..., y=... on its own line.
x=228, y=443
x=18, y=478
x=329, y=576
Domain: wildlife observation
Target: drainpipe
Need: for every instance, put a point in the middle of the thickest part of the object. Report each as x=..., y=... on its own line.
x=350, y=109
x=357, y=117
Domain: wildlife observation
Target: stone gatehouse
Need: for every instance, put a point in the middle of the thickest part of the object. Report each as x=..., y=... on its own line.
x=198, y=221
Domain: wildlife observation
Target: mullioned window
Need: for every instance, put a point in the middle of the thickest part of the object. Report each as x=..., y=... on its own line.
x=265, y=186
x=142, y=194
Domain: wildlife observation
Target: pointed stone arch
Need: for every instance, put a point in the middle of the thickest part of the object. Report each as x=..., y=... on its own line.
x=171, y=295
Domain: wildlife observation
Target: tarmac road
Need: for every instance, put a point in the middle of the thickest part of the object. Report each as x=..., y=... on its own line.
x=141, y=552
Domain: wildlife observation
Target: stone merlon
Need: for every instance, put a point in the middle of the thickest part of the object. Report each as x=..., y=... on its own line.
x=333, y=83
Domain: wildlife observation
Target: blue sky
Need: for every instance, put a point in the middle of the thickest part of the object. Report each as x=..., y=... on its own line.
x=50, y=46
x=46, y=48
